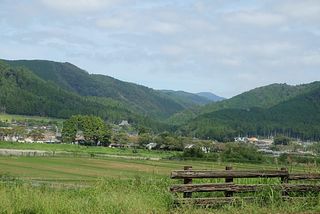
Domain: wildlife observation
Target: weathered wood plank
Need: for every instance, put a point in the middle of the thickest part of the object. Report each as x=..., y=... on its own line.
x=181, y=174
x=213, y=201
x=300, y=188
x=187, y=181
x=230, y=187
x=228, y=180
x=304, y=176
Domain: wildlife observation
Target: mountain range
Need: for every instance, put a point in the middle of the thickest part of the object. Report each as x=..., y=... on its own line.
x=266, y=111
x=62, y=89
x=47, y=88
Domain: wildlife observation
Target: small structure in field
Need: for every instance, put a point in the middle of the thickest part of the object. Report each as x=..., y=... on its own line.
x=124, y=123
x=151, y=146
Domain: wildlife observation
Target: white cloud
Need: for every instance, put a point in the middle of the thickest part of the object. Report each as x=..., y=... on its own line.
x=306, y=10
x=172, y=50
x=165, y=27
x=311, y=59
x=112, y=23
x=181, y=42
x=79, y=5
x=264, y=19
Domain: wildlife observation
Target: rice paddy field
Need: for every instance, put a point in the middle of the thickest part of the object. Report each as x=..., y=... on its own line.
x=118, y=185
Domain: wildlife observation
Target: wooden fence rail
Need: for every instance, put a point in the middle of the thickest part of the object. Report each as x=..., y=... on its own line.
x=181, y=174
x=229, y=188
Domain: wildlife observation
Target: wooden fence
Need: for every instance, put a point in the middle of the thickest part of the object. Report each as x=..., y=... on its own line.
x=229, y=188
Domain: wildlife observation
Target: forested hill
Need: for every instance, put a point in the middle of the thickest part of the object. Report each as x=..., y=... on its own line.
x=188, y=99
x=262, y=97
x=296, y=117
x=140, y=99
x=22, y=92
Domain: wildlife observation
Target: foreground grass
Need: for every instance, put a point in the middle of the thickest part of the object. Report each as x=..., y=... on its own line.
x=92, y=185
x=128, y=196
x=105, y=196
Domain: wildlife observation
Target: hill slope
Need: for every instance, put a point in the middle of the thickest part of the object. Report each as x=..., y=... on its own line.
x=22, y=92
x=295, y=117
x=145, y=101
x=186, y=98
x=262, y=97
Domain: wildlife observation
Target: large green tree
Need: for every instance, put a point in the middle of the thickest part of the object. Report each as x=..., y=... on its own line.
x=93, y=128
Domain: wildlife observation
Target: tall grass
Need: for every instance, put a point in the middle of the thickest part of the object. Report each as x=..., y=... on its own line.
x=136, y=195
x=106, y=196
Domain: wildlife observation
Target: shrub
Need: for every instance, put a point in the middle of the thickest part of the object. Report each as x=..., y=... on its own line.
x=281, y=140
x=235, y=152
x=194, y=152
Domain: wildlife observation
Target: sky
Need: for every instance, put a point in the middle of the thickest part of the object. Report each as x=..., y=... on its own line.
x=224, y=47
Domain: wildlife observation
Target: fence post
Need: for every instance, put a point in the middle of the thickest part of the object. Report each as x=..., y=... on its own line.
x=285, y=180
x=187, y=181
x=229, y=180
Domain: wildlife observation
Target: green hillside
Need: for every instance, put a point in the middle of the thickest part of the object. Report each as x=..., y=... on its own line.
x=24, y=93
x=141, y=99
x=296, y=117
x=262, y=97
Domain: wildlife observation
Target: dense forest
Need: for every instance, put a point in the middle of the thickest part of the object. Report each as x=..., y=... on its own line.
x=22, y=92
x=140, y=99
x=297, y=117
x=262, y=97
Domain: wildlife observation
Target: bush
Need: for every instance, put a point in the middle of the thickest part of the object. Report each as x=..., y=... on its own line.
x=281, y=140
x=302, y=159
x=194, y=152
x=235, y=152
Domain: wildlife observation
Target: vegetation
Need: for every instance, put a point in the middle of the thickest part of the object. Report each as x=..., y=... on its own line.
x=93, y=128
x=281, y=140
x=83, y=185
x=129, y=96
x=242, y=154
x=25, y=93
x=296, y=118
x=262, y=97
x=61, y=90
x=88, y=151
x=194, y=152
x=187, y=99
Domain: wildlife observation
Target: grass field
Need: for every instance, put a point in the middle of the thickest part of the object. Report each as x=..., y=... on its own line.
x=10, y=117
x=76, y=149
x=109, y=185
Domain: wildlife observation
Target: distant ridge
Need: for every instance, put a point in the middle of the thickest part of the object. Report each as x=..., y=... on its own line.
x=188, y=99
x=211, y=96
